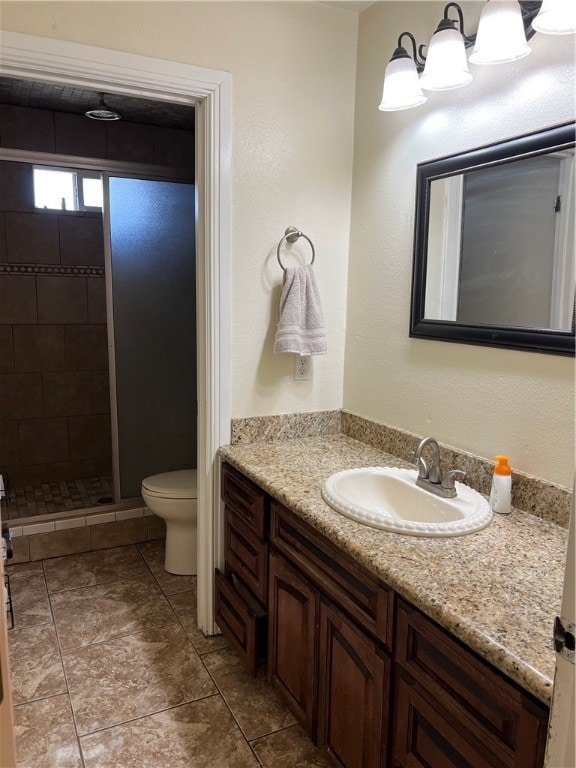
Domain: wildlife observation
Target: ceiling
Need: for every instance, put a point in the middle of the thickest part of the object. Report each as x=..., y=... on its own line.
x=349, y=5
x=65, y=98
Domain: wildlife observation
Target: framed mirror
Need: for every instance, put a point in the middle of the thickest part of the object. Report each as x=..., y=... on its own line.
x=494, y=246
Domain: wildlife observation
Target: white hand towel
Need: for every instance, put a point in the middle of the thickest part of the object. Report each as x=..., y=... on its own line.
x=300, y=322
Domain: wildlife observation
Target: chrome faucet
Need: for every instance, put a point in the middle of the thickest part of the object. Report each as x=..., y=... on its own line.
x=429, y=473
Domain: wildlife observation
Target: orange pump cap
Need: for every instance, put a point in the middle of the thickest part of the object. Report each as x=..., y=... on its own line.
x=502, y=467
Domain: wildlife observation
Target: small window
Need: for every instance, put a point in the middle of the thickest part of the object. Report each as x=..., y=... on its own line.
x=67, y=189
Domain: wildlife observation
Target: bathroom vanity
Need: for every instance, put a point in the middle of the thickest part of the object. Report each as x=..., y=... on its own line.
x=390, y=650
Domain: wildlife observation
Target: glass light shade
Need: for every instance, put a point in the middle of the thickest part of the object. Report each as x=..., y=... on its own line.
x=401, y=86
x=446, y=66
x=556, y=17
x=501, y=36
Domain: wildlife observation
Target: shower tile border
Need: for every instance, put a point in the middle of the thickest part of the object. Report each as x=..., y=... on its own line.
x=531, y=494
x=51, y=269
x=54, y=538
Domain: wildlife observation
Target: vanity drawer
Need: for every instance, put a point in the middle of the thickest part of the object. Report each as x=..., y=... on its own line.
x=245, y=498
x=242, y=621
x=475, y=699
x=246, y=555
x=352, y=588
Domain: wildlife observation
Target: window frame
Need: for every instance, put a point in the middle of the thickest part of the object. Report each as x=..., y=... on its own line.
x=78, y=175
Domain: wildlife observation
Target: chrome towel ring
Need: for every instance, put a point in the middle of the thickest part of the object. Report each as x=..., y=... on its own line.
x=291, y=236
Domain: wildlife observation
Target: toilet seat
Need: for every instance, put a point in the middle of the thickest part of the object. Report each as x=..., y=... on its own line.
x=181, y=484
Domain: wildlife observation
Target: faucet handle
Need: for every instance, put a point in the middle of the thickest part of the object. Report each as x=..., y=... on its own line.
x=448, y=479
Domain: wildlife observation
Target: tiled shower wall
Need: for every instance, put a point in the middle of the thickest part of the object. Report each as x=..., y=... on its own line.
x=54, y=399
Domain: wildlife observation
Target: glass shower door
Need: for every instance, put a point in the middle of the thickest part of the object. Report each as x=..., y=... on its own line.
x=152, y=276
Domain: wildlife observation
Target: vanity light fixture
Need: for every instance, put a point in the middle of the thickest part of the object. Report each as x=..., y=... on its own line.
x=556, y=17
x=446, y=65
x=505, y=26
x=501, y=36
x=402, y=88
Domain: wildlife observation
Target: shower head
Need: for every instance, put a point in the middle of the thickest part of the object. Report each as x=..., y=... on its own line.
x=102, y=112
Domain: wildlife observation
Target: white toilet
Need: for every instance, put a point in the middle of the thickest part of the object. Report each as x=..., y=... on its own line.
x=172, y=496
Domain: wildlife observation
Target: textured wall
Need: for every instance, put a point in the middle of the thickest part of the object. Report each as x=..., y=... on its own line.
x=477, y=399
x=293, y=100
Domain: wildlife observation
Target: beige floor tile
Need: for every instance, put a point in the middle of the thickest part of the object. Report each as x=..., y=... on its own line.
x=35, y=665
x=94, y=614
x=29, y=596
x=90, y=568
x=198, y=735
x=184, y=605
x=153, y=553
x=45, y=734
x=20, y=568
x=290, y=748
x=254, y=704
x=59, y=543
x=119, y=532
x=133, y=676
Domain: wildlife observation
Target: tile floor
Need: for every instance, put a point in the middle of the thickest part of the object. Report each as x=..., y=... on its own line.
x=109, y=670
x=48, y=498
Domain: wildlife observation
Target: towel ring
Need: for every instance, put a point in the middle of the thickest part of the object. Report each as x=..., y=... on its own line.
x=291, y=236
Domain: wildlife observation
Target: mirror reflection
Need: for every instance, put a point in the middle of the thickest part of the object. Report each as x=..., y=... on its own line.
x=501, y=244
x=494, y=249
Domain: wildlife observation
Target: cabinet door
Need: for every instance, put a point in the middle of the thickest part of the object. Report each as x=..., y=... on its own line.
x=460, y=698
x=426, y=737
x=293, y=605
x=353, y=693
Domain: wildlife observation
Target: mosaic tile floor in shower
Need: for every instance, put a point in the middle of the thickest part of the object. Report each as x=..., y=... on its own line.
x=48, y=498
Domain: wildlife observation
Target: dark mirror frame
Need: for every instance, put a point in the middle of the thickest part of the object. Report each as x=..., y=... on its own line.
x=535, y=339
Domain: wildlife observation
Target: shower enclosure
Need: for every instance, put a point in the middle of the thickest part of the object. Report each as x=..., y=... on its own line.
x=82, y=292
x=152, y=321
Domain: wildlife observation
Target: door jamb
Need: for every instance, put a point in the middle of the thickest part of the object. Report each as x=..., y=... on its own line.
x=210, y=92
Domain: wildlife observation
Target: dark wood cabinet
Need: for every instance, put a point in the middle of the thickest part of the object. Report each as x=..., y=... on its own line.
x=350, y=586
x=451, y=708
x=242, y=590
x=372, y=680
x=242, y=620
x=293, y=640
x=353, y=693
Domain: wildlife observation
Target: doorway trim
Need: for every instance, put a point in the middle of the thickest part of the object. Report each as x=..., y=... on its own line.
x=210, y=92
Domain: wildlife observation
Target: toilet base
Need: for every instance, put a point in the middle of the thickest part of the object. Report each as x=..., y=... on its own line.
x=180, y=552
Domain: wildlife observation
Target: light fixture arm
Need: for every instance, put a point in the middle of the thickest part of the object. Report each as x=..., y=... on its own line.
x=416, y=53
x=529, y=10
x=468, y=41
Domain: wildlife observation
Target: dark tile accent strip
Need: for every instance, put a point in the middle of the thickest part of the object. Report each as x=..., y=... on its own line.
x=51, y=269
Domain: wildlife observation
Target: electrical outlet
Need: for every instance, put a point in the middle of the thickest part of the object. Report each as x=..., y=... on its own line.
x=301, y=368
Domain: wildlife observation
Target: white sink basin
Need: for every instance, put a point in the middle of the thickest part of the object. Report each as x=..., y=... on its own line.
x=388, y=498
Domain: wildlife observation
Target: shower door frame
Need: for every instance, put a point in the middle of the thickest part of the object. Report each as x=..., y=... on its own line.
x=210, y=92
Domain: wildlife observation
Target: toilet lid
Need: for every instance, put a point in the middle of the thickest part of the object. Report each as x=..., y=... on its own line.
x=173, y=485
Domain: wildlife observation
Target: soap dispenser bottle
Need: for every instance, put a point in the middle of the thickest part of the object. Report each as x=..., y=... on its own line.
x=501, y=492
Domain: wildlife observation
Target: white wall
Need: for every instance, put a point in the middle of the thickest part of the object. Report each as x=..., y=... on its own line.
x=478, y=399
x=293, y=67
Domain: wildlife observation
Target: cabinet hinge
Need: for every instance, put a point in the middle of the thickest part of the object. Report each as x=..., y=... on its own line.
x=564, y=638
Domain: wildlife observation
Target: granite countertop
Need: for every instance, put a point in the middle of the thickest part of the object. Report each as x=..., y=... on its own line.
x=497, y=590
